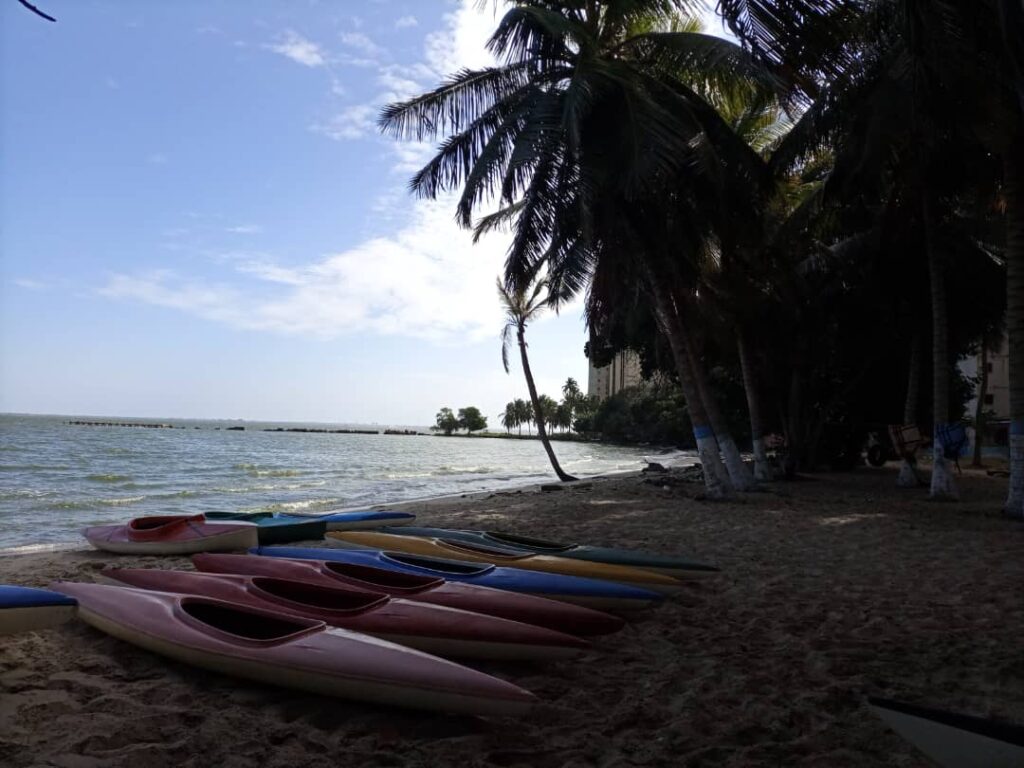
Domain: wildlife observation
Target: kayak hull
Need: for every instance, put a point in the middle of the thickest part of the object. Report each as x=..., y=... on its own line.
x=478, y=554
x=591, y=593
x=310, y=657
x=26, y=609
x=540, y=611
x=953, y=740
x=677, y=567
x=431, y=628
x=172, y=535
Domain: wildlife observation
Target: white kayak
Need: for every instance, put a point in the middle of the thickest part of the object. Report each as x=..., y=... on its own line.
x=291, y=651
x=953, y=740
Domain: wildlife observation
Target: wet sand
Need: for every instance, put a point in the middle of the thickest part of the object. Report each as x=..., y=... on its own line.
x=833, y=588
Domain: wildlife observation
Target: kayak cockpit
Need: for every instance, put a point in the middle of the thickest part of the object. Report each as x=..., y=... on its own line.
x=437, y=564
x=298, y=593
x=526, y=541
x=238, y=623
x=393, y=581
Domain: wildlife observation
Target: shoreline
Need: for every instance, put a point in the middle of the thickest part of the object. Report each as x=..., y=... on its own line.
x=426, y=501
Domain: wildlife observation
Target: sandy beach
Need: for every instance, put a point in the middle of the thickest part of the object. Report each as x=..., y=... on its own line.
x=832, y=588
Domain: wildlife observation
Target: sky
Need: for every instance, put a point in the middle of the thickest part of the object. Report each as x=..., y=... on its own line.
x=199, y=217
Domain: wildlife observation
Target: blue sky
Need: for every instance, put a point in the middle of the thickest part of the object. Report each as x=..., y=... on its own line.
x=198, y=217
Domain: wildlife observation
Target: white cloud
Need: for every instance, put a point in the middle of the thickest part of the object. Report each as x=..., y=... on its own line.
x=30, y=284
x=299, y=49
x=351, y=123
x=245, y=229
x=361, y=42
x=157, y=158
x=426, y=281
x=462, y=43
x=406, y=21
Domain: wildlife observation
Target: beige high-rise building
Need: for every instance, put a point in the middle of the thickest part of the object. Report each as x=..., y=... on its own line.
x=997, y=396
x=622, y=372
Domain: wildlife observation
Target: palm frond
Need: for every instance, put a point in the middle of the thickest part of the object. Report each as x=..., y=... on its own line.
x=456, y=103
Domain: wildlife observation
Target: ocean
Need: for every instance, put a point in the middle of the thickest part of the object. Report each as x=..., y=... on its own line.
x=56, y=478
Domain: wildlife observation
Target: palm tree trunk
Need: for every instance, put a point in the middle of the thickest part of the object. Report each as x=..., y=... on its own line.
x=943, y=485
x=1013, y=181
x=907, y=477
x=716, y=479
x=739, y=475
x=521, y=337
x=762, y=467
x=979, y=408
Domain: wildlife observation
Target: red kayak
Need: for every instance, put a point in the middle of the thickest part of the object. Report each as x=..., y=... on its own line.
x=172, y=535
x=291, y=651
x=430, y=628
x=541, y=611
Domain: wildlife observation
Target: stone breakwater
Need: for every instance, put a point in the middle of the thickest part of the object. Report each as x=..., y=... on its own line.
x=121, y=424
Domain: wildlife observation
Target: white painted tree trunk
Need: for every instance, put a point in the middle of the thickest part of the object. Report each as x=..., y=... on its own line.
x=739, y=476
x=739, y=473
x=763, y=471
x=716, y=479
x=907, y=478
x=943, y=482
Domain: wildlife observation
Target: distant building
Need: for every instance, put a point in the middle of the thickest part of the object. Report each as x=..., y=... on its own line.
x=997, y=394
x=622, y=372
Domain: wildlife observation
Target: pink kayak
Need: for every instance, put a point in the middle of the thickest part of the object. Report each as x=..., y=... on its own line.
x=291, y=651
x=172, y=535
x=431, y=628
x=564, y=617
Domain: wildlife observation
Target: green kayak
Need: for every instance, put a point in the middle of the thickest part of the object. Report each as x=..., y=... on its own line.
x=277, y=529
x=680, y=568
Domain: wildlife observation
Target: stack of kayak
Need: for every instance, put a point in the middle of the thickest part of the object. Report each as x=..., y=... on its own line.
x=369, y=615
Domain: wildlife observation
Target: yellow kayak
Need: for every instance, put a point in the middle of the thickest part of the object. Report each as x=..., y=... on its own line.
x=458, y=550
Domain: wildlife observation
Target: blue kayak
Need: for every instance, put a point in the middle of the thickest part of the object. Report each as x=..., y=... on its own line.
x=26, y=609
x=593, y=593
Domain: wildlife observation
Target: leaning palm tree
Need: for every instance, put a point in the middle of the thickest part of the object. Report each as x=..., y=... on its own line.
x=582, y=125
x=521, y=309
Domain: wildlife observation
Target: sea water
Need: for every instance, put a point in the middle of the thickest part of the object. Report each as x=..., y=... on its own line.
x=56, y=478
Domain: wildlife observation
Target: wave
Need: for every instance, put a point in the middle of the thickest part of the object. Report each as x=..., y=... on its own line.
x=92, y=503
x=109, y=478
x=119, y=502
x=293, y=506
x=32, y=467
x=255, y=470
x=30, y=549
x=446, y=470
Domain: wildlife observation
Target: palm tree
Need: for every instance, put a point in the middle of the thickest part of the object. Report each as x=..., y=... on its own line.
x=508, y=417
x=524, y=413
x=520, y=310
x=578, y=133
